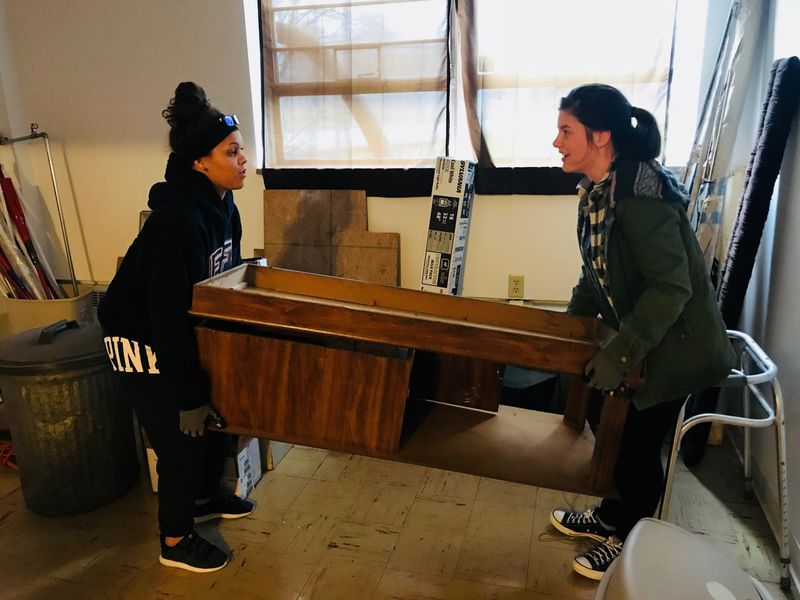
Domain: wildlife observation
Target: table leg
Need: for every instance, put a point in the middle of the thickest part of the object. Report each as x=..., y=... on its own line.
x=576, y=404
x=608, y=438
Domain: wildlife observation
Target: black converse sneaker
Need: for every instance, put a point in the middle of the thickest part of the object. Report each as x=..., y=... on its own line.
x=594, y=563
x=222, y=507
x=585, y=524
x=193, y=553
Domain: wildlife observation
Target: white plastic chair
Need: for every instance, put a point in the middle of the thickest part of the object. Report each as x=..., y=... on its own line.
x=757, y=375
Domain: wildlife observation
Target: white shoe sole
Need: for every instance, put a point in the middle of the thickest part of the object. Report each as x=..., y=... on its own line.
x=571, y=533
x=581, y=570
x=179, y=565
x=212, y=516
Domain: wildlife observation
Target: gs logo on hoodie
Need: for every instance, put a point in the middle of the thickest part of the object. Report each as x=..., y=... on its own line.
x=221, y=259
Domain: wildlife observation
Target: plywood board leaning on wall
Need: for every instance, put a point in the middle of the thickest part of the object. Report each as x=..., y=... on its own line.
x=325, y=232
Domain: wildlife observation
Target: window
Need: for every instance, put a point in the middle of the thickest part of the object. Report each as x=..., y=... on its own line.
x=530, y=54
x=364, y=83
x=359, y=83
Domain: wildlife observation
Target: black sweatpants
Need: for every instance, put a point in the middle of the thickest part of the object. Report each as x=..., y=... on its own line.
x=189, y=468
x=638, y=474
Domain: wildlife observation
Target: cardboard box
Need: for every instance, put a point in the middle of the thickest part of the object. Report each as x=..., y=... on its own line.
x=275, y=453
x=152, y=460
x=448, y=228
x=242, y=471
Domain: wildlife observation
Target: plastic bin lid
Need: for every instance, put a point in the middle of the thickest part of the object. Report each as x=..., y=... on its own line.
x=661, y=561
x=61, y=346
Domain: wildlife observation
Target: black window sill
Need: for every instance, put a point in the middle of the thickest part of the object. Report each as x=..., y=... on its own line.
x=400, y=183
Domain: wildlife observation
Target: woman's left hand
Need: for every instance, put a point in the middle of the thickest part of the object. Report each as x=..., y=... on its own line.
x=603, y=373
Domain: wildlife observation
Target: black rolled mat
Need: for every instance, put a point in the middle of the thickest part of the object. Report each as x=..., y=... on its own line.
x=780, y=105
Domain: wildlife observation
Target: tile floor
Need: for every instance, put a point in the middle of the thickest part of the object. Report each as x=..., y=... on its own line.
x=343, y=527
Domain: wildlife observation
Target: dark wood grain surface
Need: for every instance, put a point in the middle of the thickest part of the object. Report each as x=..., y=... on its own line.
x=306, y=393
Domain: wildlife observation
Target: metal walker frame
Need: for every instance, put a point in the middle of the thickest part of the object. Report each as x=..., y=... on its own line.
x=756, y=374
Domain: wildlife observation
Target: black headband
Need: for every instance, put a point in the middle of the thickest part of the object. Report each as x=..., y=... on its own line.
x=204, y=139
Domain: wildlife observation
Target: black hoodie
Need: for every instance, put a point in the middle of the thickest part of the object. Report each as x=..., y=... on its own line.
x=191, y=235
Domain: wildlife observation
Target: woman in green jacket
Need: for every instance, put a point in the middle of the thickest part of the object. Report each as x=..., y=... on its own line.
x=644, y=275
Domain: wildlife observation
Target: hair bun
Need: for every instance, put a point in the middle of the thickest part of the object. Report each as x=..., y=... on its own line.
x=189, y=101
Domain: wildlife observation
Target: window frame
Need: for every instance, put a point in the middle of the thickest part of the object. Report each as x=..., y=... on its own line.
x=353, y=87
x=391, y=181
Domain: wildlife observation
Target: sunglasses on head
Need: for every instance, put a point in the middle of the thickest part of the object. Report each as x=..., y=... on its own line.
x=229, y=120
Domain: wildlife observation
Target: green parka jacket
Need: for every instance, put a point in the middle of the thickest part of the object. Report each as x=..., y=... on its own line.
x=664, y=304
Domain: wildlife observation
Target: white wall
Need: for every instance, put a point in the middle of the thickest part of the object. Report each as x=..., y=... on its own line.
x=95, y=75
x=770, y=314
x=529, y=235
x=771, y=303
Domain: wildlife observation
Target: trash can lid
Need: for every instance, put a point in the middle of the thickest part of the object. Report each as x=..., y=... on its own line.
x=60, y=346
x=661, y=561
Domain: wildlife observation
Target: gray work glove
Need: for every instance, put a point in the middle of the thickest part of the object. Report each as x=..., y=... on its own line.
x=193, y=422
x=603, y=373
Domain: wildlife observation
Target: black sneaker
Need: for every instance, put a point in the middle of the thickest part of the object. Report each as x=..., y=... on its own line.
x=594, y=563
x=222, y=507
x=585, y=524
x=193, y=553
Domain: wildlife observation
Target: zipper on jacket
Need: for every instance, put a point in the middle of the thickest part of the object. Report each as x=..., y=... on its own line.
x=587, y=263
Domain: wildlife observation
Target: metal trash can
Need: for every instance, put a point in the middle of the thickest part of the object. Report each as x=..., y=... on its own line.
x=72, y=430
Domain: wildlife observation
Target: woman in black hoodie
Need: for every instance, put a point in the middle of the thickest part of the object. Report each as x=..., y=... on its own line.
x=193, y=232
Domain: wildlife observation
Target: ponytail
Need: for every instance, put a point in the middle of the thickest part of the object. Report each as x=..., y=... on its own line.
x=646, y=139
x=601, y=107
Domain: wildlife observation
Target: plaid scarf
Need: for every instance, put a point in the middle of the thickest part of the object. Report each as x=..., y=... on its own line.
x=625, y=179
x=596, y=198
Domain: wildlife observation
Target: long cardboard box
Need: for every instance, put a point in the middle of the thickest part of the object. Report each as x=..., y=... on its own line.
x=448, y=228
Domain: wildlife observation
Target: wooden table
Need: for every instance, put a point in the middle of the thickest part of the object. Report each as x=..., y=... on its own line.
x=326, y=362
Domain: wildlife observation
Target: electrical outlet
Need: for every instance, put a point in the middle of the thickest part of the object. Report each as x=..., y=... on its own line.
x=516, y=286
